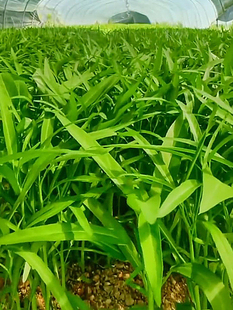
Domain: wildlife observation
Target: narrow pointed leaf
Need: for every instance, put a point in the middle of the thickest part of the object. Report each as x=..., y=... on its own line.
x=177, y=196
x=9, y=175
x=224, y=248
x=47, y=276
x=7, y=119
x=47, y=129
x=39, y=165
x=172, y=133
x=105, y=161
x=61, y=232
x=81, y=218
x=50, y=210
x=214, y=192
x=211, y=285
x=149, y=208
x=150, y=241
x=128, y=249
x=98, y=91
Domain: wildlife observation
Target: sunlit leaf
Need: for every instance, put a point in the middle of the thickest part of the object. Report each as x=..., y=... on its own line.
x=177, y=196
x=49, y=279
x=152, y=255
x=214, y=192
x=224, y=248
x=210, y=284
x=7, y=119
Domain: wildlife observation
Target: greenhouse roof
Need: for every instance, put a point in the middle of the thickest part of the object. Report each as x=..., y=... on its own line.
x=189, y=13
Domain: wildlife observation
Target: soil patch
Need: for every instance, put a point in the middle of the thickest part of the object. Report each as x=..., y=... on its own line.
x=111, y=288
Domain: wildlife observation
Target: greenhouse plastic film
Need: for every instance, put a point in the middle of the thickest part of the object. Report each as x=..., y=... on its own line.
x=189, y=13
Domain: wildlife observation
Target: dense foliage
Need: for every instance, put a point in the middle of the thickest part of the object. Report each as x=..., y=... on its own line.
x=117, y=143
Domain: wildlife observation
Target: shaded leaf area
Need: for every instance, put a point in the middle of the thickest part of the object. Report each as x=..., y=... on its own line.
x=210, y=284
x=116, y=145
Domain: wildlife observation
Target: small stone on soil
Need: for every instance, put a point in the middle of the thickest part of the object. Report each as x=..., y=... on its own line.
x=105, y=288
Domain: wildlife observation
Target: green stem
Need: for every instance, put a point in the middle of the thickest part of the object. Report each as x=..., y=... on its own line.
x=197, y=298
x=47, y=297
x=63, y=269
x=192, y=253
x=83, y=256
x=151, y=302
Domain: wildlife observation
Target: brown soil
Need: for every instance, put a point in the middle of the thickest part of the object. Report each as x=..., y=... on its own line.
x=106, y=288
x=175, y=291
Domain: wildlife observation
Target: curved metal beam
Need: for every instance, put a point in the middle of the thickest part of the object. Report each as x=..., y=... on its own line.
x=222, y=5
x=201, y=4
x=4, y=14
x=24, y=12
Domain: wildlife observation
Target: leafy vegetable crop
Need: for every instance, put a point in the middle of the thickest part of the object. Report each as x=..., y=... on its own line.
x=120, y=144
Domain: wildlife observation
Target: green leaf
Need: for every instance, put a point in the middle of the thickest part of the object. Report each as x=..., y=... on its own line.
x=193, y=123
x=40, y=164
x=214, y=192
x=172, y=133
x=123, y=103
x=70, y=109
x=83, y=221
x=26, y=272
x=61, y=232
x=224, y=248
x=222, y=104
x=105, y=161
x=31, y=154
x=18, y=66
x=47, y=276
x=10, y=84
x=50, y=210
x=9, y=175
x=48, y=84
x=77, y=302
x=7, y=119
x=149, y=208
x=167, y=234
x=4, y=227
x=211, y=285
x=177, y=196
x=150, y=241
x=47, y=129
x=98, y=91
x=7, y=64
x=153, y=154
x=228, y=61
x=128, y=249
x=185, y=306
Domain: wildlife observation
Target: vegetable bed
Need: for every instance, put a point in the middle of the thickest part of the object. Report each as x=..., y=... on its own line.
x=116, y=145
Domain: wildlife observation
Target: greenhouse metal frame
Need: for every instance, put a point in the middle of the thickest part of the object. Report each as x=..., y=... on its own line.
x=189, y=13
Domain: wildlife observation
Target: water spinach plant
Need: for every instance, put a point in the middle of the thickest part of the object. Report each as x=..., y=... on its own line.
x=119, y=144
